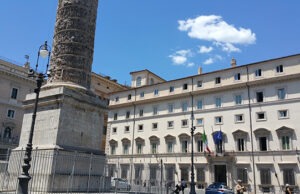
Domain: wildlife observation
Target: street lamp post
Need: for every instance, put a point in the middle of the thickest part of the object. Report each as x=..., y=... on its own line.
x=192, y=190
x=24, y=178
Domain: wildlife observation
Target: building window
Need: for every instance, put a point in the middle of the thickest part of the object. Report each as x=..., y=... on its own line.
x=281, y=94
x=263, y=143
x=124, y=170
x=115, y=116
x=241, y=144
x=258, y=73
x=7, y=133
x=265, y=176
x=11, y=114
x=218, y=102
x=117, y=99
x=199, y=122
x=289, y=176
x=170, y=108
x=138, y=81
x=170, y=124
x=239, y=118
x=285, y=143
x=242, y=175
x=184, y=123
x=238, y=99
x=185, y=86
x=137, y=174
x=184, y=146
x=218, y=120
x=142, y=94
x=126, y=129
x=153, y=179
x=141, y=113
x=199, y=104
x=184, y=173
x=184, y=106
x=259, y=96
x=153, y=148
x=127, y=114
x=282, y=114
x=112, y=149
x=154, y=125
x=141, y=127
x=171, y=89
x=199, y=146
x=170, y=173
x=139, y=148
x=261, y=116
x=237, y=76
x=114, y=129
x=151, y=81
x=199, y=84
x=279, y=69
x=155, y=92
x=129, y=97
x=170, y=147
x=125, y=149
x=14, y=93
x=200, y=178
x=218, y=80
x=155, y=110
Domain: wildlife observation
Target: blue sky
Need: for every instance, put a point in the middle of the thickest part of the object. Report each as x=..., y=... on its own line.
x=171, y=38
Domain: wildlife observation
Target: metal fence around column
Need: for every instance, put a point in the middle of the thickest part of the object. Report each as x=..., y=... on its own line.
x=55, y=171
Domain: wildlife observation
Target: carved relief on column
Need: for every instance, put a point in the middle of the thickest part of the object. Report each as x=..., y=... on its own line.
x=73, y=44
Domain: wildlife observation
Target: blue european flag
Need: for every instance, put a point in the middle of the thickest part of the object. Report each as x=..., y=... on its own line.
x=218, y=137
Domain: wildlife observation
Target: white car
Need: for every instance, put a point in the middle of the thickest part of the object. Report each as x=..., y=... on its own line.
x=120, y=184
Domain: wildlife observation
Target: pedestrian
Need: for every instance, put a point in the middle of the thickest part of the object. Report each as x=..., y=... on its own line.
x=177, y=189
x=239, y=188
x=183, y=185
x=144, y=184
x=287, y=189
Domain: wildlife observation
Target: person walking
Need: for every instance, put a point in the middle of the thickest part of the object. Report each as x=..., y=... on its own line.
x=183, y=185
x=239, y=188
x=177, y=189
x=287, y=189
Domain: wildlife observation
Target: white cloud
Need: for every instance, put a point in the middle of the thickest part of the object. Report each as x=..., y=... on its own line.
x=180, y=57
x=212, y=60
x=214, y=28
x=208, y=61
x=178, y=60
x=227, y=47
x=190, y=65
x=204, y=49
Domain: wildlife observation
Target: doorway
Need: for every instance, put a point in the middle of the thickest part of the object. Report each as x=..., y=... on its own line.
x=220, y=174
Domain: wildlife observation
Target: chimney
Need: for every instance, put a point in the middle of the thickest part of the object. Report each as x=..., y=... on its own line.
x=233, y=62
x=199, y=70
x=27, y=63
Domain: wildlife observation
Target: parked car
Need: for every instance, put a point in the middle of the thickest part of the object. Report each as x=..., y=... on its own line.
x=120, y=184
x=218, y=188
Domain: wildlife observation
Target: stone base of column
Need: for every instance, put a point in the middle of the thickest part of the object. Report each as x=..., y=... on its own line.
x=67, y=141
x=59, y=171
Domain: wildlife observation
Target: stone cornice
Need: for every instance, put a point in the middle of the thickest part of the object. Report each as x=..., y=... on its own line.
x=20, y=77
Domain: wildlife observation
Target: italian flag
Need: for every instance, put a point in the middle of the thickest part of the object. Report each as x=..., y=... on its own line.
x=204, y=139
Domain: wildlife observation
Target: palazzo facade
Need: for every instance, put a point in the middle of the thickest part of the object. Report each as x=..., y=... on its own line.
x=253, y=109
